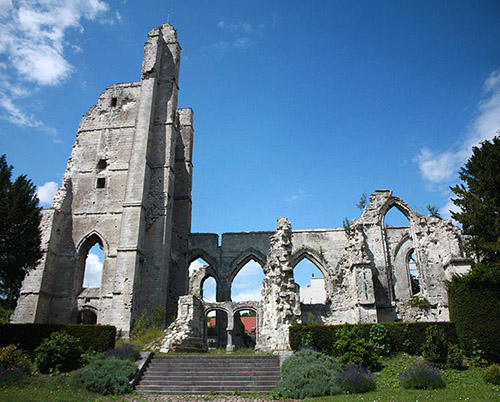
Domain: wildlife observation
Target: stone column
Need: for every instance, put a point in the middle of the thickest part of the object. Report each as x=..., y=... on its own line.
x=281, y=304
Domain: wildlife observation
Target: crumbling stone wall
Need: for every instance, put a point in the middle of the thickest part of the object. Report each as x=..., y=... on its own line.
x=281, y=300
x=127, y=186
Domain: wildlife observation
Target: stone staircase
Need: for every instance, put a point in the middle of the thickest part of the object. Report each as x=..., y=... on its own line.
x=202, y=374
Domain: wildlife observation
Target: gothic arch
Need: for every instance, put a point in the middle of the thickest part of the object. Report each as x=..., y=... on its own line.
x=200, y=253
x=246, y=256
x=82, y=249
x=311, y=255
x=402, y=206
x=91, y=238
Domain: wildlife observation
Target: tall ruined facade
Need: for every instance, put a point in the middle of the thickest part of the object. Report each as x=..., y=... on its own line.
x=127, y=187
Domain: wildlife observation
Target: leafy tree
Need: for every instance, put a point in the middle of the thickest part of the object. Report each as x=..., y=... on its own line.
x=363, y=201
x=478, y=198
x=19, y=232
x=433, y=211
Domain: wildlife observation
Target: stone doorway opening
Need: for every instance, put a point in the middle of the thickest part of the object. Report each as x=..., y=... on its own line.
x=87, y=317
x=245, y=329
x=216, y=331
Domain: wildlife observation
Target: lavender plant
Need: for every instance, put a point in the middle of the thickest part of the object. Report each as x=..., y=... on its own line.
x=355, y=379
x=11, y=375
x=125, y=352
x=422, y=376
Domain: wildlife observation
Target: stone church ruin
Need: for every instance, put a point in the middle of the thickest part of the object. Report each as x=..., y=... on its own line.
x=127, y=188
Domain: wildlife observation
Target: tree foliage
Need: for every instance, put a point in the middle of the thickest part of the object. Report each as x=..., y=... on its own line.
x=478, y=198
x=19, y=232
x=433, y=211
x=363, y=201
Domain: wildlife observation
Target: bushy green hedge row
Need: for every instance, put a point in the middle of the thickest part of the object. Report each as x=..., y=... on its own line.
x=474, y=301
x=29, y=336
x=404, y=336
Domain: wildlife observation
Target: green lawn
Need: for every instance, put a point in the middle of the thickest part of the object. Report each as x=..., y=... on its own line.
x=467, y=385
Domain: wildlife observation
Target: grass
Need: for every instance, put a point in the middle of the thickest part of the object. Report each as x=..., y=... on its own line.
x=466, y=385
x=43, y=388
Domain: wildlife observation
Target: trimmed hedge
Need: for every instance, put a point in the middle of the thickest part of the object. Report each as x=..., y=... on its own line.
x=29, y=336
x=474, y=302
x=405, y=336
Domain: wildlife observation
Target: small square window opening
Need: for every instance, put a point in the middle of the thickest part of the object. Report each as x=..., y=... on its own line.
x=101, y=182
x=102, y=164
x=114, y=101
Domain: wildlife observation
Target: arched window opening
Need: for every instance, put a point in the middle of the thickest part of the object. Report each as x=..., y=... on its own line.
x=395, y=218
x=245, y=329
x=247, y=285
x=209, y=289
x=414, y=274
x=216, y=323
x=311, y=282
x=93, y=266
x=87, y=317
x=196, y=265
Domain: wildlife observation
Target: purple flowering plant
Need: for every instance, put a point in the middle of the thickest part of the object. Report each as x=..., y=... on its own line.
x=11, y=375
x=422, y=376
x=356, y=379
x=125, y=352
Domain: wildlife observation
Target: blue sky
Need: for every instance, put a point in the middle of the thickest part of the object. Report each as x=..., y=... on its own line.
x=300, y=106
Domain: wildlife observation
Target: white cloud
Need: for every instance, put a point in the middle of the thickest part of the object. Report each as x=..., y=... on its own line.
x=33, y=37
x=46, y=193
x=196, y=265
x=439, y=168
x=5, y=7
x=221, y=46
x=247, y=285
x=253, y=294
x=244, y=27
x=237, y=34
x=93, y=271
x=299, y=195
x=446, y=210
x=209, y=289
x=243, y=42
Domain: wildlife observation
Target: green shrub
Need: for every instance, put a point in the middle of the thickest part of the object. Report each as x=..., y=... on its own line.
x=96, y=338
x=404, y=336
x=379, y=337
x=476, y=354
x=422, y=376
x=351, y=347
x=474, y=302
x=309, y=374
x=435, y=349
x=106, y=375
x=59, y=353
x=455, y=358
x=492, y=374
x=5, y=314
x=158, y=317
x=11, y=358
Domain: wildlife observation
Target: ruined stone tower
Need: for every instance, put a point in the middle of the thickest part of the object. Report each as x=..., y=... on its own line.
x=127, y=187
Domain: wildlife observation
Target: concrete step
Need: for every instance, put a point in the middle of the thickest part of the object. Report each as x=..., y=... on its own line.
x=201, y=390
x=201, y=375
x=222, y=377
